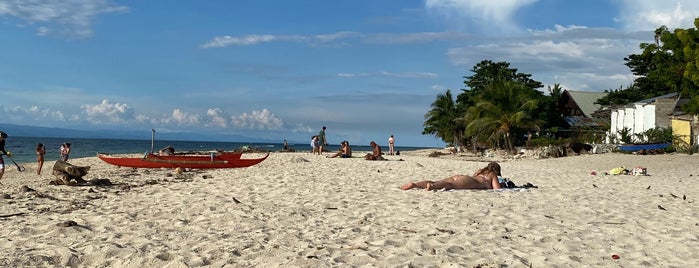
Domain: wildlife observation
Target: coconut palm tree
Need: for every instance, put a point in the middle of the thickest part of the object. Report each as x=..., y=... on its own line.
x=501, y=109
x=440, y=119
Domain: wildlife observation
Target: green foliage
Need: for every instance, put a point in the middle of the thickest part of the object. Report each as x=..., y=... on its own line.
x=439, y=120
x=503, y=107
x=669, y=65
x=589, y=135
x=625, y=134
x=622, y=96
x=485, y=73
x=549, y=111
x=549, y=141
x=680, y=145
x=654, y=135
x=498, y=107
x=657, y=135
x=500, y=103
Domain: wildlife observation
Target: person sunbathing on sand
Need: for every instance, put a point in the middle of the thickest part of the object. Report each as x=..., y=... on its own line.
x=485, y=178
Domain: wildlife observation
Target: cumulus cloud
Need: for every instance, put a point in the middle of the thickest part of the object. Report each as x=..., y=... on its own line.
x=106, y=112
x=34, y=113
x=216, y=118
x=261, y=120
x=69, y=18
x=182, y=118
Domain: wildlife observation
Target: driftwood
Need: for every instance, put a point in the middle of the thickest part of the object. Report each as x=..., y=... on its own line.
x=67, y=173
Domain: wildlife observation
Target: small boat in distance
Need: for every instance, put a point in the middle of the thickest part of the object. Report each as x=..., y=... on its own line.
x=193, y=161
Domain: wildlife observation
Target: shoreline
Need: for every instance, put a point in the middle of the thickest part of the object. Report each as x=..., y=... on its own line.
x=300, y=210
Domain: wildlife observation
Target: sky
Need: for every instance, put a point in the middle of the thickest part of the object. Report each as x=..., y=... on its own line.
x=277, y=70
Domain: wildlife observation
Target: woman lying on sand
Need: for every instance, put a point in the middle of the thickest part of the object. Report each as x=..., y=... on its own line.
x=485, y=178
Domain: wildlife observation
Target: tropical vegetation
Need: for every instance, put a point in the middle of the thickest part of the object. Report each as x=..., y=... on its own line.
x=500, y=105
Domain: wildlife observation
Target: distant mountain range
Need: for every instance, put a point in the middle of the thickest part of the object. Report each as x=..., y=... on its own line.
x=34, y=131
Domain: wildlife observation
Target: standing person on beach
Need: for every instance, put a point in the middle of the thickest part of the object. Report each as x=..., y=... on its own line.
x=40, y=153
x=65, y=151
x=321, y=140
x=314, y=144
x=391, y=141
x=485, y=178
x=3, y=136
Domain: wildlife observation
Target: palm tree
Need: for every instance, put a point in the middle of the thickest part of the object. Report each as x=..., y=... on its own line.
x=440, y=119
x=502, y=108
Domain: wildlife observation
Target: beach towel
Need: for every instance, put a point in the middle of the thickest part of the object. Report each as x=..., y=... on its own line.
x=506, y=183
x=618, y=171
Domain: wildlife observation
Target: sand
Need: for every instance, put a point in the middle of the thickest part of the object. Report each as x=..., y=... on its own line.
x=303, y=210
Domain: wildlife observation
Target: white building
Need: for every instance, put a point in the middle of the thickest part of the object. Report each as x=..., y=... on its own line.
x=642, y=116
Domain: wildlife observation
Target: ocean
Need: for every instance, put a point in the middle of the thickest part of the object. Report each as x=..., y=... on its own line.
x=22, y=148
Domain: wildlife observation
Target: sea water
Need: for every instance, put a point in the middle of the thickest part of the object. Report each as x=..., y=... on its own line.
x=23, y=148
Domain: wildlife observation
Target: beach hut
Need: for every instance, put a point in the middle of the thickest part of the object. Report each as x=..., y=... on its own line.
x=643, y=115
x=579, y=111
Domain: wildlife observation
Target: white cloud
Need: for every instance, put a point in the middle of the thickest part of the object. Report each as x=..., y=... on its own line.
x=106, y=112
x=182, y=118
x=216, y=118
x=249, y=40
x=648, y=15
x=262, y=120
x=68, y=18
x=34, y=113
x=482, y=12
x=224, y=41
x=301, y=128
x=141, y=118
x=584, y=64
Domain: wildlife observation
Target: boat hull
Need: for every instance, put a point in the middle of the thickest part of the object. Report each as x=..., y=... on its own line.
x=213, y=161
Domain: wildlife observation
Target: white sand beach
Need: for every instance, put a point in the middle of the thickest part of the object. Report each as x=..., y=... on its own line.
x=303, y=210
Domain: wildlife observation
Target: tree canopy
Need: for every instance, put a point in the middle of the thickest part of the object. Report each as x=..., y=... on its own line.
x=500, y=103
x=669, y=65
x=439, y=120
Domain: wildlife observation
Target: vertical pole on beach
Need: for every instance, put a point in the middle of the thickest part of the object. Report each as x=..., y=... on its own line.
x=152, y=139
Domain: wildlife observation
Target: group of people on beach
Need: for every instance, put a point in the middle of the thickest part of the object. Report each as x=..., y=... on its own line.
x=319, y=142
x=40, y=151
x=484, y=178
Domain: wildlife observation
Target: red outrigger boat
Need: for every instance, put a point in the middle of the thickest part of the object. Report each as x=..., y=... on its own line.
x=214, y=160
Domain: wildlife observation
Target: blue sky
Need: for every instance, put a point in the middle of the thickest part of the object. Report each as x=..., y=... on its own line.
x=366, y=69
